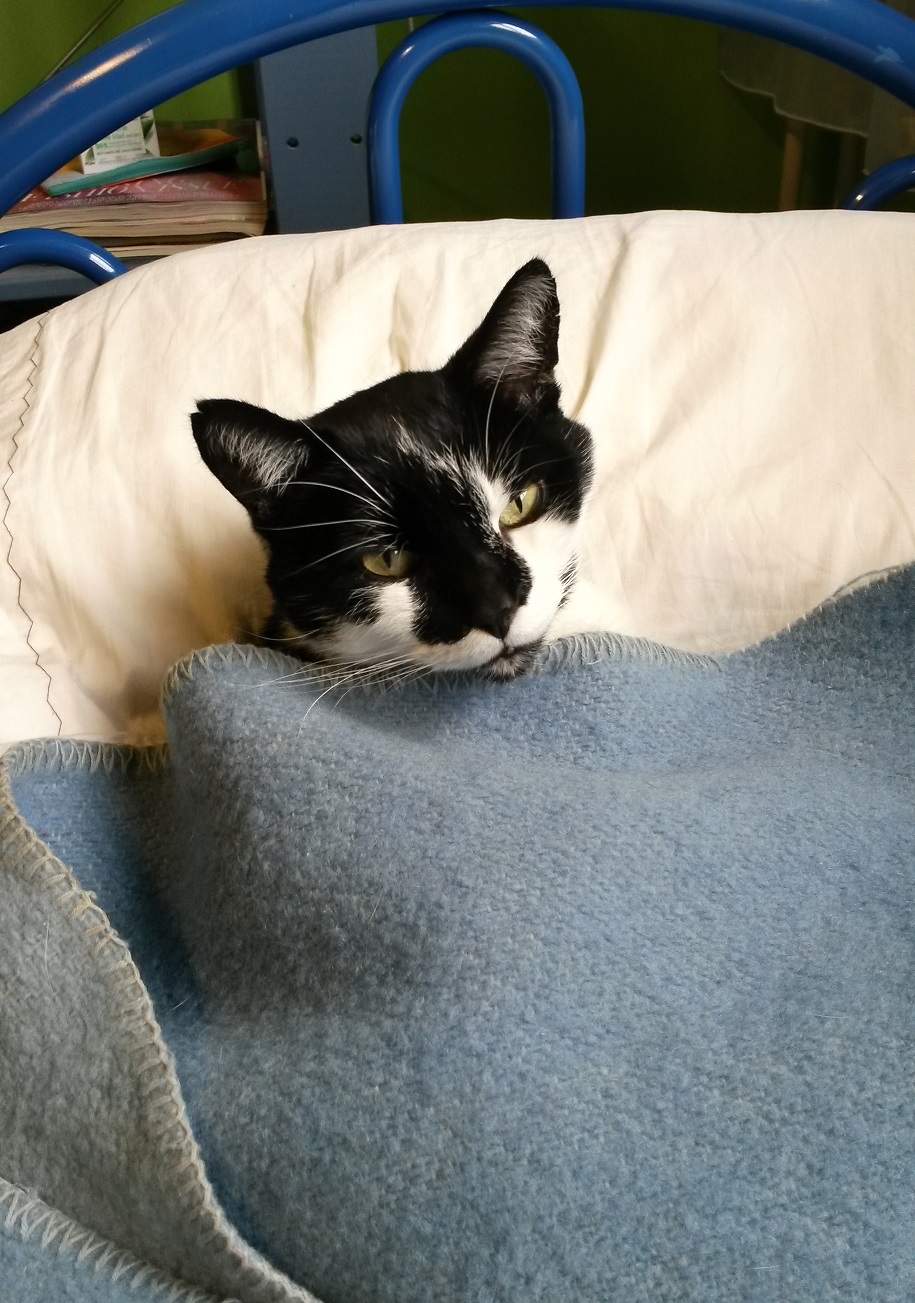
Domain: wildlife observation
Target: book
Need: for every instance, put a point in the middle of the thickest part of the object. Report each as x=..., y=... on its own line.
x=136, y=140
x=168, y=210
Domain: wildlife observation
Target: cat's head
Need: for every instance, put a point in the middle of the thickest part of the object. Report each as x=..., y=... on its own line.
x=429, y=521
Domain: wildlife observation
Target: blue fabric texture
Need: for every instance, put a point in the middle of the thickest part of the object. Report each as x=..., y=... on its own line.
x=47, y=1258
x=592, y=986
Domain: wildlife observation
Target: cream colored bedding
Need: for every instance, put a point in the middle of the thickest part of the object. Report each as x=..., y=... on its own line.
x=749, y=381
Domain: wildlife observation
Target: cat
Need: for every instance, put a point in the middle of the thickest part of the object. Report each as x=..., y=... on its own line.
x=428, y=522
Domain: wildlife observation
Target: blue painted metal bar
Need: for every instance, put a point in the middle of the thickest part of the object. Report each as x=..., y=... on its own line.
x=456, y=32
x=200, y=38
x=889, y=180
x=60, y=249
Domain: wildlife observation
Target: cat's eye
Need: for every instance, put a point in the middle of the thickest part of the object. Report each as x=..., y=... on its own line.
x=392, y=563
x=522, y=509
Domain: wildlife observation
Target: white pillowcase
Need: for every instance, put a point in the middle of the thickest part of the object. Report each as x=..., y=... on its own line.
x=749, y=380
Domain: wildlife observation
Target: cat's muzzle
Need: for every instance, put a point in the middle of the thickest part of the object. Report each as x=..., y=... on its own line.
x=510, y=664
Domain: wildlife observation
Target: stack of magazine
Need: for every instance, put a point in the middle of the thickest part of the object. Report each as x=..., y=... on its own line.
x=206, y=185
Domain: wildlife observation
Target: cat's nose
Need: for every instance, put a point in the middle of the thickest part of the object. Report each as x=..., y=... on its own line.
x=496, y=616
x=500, y=590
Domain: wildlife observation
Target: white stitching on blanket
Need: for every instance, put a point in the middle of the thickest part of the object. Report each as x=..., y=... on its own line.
x=587, y=648
x=9, y=476
x=137, y=1019
x=576, y=650
x=116, y=1263
x=244, y=653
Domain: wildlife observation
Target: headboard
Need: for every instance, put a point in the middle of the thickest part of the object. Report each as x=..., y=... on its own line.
x=201, y=38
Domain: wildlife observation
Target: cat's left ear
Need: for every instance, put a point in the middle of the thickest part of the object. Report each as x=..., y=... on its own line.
x=253, y=452
x=515, y=350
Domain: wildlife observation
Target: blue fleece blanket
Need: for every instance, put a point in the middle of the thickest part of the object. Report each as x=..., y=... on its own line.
x=593, y=986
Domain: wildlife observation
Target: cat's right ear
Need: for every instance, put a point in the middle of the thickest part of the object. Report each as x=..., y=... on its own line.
x=516, y=348
x=253, y=452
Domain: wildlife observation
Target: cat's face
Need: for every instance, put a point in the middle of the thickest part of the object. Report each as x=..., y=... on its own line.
x=429, y=521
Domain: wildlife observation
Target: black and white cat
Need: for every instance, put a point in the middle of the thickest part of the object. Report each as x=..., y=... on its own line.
x=430, y=520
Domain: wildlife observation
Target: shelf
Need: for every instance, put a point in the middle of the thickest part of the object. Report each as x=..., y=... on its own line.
x=31, y=282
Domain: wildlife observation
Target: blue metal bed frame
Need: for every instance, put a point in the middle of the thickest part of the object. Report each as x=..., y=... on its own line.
x=455, y=32
x=201, y=38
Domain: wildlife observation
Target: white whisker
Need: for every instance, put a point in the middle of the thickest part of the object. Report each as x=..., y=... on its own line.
x=294, y=676
x=318, y=698
x=520, y=421
x=318, y=484
x=267, y=637
x=492, y=399
x=547, y=461
x=504, y=469
x=319, y=524
x=350, y=547
x=363, y=672
x=411, y=674
x=371, y=488
x=508, y=361
x=385, y=673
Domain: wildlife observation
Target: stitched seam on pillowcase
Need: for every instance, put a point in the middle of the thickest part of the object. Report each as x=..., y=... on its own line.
x=179, y=1150
x=33, y=366
x=26, y=1215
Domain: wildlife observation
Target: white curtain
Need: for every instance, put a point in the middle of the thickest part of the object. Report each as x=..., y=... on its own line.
x=809, y=89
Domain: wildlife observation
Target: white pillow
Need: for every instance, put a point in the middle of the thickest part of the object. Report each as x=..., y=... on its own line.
x=749, y=380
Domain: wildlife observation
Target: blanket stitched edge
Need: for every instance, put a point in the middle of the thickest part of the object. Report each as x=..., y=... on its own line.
x=23, y=850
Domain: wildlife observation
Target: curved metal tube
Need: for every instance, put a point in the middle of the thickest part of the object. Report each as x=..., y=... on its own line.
x=200, y=38
x=61, y=249
x=887, y=181
x=513, y=36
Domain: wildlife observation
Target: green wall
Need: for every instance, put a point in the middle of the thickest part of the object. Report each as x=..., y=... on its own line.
x=34, y=34
x=664, y=130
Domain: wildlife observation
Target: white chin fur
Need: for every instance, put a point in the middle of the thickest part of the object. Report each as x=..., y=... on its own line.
x=473, y=650
x=373, y=644
x=546, y=546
